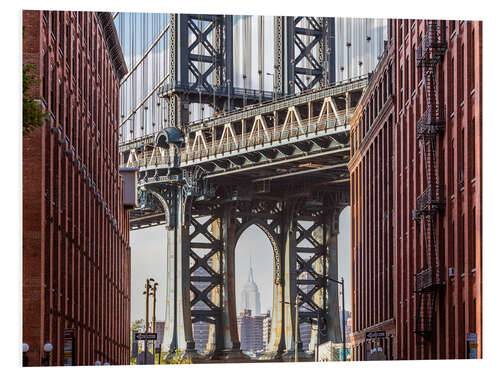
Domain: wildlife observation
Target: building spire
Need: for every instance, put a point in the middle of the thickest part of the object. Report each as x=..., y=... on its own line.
x=250, y=272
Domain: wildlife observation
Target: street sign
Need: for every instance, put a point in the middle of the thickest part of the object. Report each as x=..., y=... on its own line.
x=146, y=336
x=375, y=335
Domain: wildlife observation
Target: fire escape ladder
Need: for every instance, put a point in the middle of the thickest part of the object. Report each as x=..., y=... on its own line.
x=430, y=202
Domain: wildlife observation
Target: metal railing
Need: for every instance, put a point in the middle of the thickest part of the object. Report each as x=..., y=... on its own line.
x=243, y=141
x=432, y=198
x=432, y=47
x=432, y=121
x=266, y=106
x=427, y=279
x=234, y=92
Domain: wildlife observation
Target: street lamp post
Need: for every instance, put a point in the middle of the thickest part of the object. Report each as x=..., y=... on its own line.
x=26, y=348
x=155, y=287
x=147, y=293
x=244, y=90
x=297, y=301
x=274, y=84
x=47, y=348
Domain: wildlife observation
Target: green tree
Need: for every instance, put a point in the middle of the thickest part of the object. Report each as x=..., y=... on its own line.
x=176, y=359
x=33, y=114
x=137, y=326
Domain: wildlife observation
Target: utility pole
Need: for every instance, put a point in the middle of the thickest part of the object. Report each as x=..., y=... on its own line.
x=147, y=293
x=343, y=319
x=297, y=301
x=155, y=286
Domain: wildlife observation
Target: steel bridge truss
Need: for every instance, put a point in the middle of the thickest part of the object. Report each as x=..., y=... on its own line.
x=201, y=67
x=203, y=227
x=201, y=62
x=304, y=52
x=298, y=128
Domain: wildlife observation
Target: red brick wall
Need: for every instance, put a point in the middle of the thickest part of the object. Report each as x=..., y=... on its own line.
x=76, y=254
x=458, y=308
x=455, y=313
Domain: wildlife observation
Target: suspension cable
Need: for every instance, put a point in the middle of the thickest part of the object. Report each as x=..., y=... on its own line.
x=145, y=55
x=144, y=100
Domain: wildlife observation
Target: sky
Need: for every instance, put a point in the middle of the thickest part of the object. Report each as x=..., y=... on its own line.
x=149, y=249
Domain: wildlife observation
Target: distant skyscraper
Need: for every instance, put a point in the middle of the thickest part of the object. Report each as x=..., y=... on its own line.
x=250, y=330
x=250, y=295
x=266, y=329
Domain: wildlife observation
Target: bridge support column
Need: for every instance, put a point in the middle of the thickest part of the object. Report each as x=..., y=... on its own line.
x=178, y=327
x=333, y=315
x=223, y=341
x=290, y=282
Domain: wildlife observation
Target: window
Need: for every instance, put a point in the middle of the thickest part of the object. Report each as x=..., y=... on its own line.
x=451, y=87
x=53, y=92
x=61, y=31
x=413, y=63
x=68, y=45
x=61, y=103
x=390, y=79
x=45, y=76
x=462, y=246
x=53, y=23
x=452, y=245
x=473, y=322
x=462, y=157
x=451, y=161
x=407, y=78
x=472, y=245
x=68, y=106
x=462, y=57
x=473, y=61
x=473, y=149
x=401, y=79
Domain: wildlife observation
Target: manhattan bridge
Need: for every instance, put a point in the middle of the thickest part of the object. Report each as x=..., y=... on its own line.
x=234, y=121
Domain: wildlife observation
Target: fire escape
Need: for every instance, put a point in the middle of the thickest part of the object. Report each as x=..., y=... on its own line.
x=428, y=280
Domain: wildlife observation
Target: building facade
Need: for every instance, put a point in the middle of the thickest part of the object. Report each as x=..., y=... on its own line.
x=437, y=187
x=76, y=253
x=251, y=332
x=416, y=190
x=371, y=207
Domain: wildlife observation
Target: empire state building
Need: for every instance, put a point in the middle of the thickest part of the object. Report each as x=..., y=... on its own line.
x=250, y=295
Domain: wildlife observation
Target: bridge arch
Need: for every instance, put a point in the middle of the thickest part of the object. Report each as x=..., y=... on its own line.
x=265, y=278
x=273, y=239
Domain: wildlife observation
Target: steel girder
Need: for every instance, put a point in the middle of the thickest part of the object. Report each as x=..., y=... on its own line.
x=202, y=233
x=304, y=50
x=197, y=40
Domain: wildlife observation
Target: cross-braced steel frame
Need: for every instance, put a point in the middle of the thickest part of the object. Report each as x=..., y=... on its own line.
x=304, y=52
x=203, y=227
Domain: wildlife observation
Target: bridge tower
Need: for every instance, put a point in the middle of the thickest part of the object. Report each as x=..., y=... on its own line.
x=198, y=39
x=314, y=64
x=203, y=226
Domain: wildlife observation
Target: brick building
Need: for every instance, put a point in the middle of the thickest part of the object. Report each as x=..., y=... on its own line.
x=371, y=173
x=76, y=254
x=425, y=288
